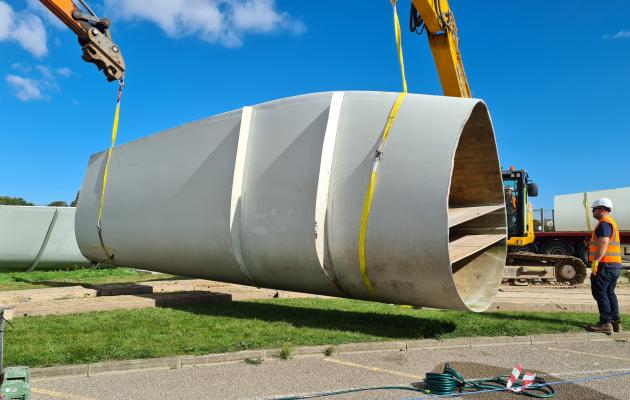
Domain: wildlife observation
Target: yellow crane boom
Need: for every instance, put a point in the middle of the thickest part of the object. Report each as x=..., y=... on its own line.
x=436, y=17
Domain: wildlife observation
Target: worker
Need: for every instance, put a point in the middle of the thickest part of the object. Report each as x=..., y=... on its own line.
x=605, y=258
x=510, y=206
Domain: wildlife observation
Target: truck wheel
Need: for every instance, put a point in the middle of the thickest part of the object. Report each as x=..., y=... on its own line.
x=558, y=247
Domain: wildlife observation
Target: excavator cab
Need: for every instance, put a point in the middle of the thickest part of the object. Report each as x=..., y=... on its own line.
x=517, y=189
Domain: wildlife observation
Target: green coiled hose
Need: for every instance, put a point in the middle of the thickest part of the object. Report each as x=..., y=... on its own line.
x=451, y=382
x=448, y=383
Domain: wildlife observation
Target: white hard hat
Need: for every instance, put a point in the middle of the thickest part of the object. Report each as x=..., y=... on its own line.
x=508, y=188
x=602, y=202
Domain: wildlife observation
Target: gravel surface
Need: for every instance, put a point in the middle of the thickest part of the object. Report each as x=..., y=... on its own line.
x=555, y=361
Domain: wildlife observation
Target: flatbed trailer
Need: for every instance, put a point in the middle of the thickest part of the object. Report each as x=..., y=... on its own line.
x=574, y=243
x=553, y=249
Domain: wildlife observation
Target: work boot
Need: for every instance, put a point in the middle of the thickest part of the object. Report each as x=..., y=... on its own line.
x=606, y=328
x=617, y=326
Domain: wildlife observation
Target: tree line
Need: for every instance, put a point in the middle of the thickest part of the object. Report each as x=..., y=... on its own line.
x=18, y=201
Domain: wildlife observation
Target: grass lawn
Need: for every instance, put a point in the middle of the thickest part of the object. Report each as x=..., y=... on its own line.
x=203, y=329
x=71, y=277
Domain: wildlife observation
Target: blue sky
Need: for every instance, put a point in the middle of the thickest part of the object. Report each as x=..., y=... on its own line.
x=556, y=78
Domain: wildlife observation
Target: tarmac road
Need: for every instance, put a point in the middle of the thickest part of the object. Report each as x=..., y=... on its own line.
x=557, y=361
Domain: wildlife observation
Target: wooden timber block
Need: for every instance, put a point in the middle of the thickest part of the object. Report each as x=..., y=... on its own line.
x=117, y=289
x=188, y=298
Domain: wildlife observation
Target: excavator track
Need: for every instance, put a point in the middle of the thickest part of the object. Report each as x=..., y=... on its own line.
x=525, y=268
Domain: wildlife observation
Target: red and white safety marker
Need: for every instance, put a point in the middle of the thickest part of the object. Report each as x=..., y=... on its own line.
x=516, y=372
x=528, y=379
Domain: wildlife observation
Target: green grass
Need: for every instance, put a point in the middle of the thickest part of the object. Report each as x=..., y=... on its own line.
x=286, y=352
x=76, y=276
x=330, y=351
x=278, y=323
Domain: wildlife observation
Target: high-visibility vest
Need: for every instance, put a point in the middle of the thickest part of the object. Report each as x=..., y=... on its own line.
x=613, y=252
x=511, y=201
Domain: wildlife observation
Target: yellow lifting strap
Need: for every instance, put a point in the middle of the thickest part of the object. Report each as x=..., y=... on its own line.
x=367, y=204
x=399, y=47
x=121, y=84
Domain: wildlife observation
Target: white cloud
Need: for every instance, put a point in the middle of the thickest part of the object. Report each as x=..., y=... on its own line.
x=47, y=78
x=21, y=67
x=38, y=8
x=260, y=16
x=30, y=33
x=6, y=20
x=45, y=71
x=25, y=89
x=64, y=71
x=225, y=22
x=35, y=83
x=25, y=28
x=622, y=34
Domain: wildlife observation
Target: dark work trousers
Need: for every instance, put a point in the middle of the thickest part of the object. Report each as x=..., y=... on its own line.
x=603, y=289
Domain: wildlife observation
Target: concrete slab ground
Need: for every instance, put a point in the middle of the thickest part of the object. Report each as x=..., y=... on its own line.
x=88, y=304
x=554, y=299
x=558, y=360
x=76, y=299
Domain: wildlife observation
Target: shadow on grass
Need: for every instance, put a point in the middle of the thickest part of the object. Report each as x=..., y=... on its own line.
x=556, y=318
x=374, y=323
x=369, y=323
x=87, y=285
x=52, y=284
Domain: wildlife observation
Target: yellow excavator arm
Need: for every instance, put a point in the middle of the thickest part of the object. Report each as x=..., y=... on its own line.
x=93, y=34
x=436, y=17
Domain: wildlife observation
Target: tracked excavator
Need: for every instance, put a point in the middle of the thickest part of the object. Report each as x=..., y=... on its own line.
x=524, y=264
x=435, y=18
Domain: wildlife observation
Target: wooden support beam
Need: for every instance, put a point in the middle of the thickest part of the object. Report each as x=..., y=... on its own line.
x=471, y=244
x=459, y=215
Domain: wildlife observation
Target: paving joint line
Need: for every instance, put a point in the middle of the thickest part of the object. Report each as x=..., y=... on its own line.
x=59, y=395
x=373, y=369
x=587, y=354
